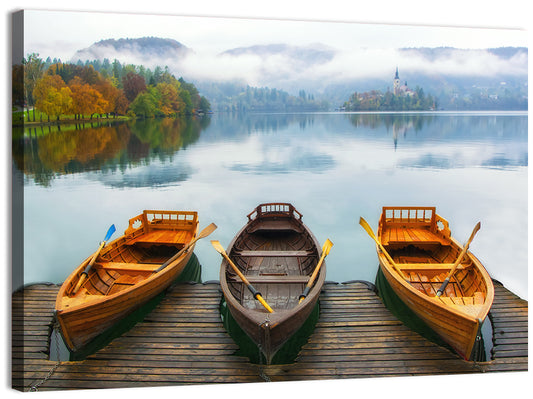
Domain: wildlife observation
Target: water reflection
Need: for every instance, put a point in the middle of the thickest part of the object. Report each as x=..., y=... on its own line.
x=43, y=154
x=108, y=147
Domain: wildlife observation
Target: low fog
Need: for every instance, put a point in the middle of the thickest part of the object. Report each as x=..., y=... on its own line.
x=282, y=66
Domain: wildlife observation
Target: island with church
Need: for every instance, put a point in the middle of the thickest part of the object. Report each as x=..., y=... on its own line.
x=401, y=98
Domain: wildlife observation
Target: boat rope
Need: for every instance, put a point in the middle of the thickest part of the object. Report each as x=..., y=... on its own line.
x=262, y=373
x=55, y=331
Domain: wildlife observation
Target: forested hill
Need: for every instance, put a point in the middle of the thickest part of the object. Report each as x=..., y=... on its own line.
x=280, y=76
x=142, y=48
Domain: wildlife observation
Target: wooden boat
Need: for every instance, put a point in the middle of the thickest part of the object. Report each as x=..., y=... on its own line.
x=422, y=254
x=125, y=274
x=277, y=254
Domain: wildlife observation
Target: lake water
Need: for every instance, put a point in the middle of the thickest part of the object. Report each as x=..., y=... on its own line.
x=333, y=167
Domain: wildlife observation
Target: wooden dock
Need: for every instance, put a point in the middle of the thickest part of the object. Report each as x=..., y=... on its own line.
x=182, y=341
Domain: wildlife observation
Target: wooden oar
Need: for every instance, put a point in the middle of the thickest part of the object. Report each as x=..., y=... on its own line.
x=459, y=259
x=85, y=272
x=325, y=251
x=368, y=229
x=204, y=233
x=257, y=295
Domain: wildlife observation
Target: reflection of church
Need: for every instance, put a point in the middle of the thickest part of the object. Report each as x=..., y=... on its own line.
x=401, y=90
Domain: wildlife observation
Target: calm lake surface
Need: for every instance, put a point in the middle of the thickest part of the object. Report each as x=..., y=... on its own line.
x=333, y=167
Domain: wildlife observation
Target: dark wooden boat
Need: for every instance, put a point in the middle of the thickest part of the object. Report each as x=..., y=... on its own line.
x=419, y=255
x=277, y=254
x=125, y=274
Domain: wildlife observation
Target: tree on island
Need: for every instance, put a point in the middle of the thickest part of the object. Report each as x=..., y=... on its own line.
x=375, y=100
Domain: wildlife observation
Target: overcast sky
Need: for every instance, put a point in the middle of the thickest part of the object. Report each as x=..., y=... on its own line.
x=362, y=50
x=71, y=31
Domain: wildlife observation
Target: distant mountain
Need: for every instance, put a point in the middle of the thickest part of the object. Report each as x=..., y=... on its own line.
x=458, y=78
x=302, y=55
x=140, y=49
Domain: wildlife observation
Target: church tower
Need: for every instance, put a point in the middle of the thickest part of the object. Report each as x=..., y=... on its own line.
x=396, y=83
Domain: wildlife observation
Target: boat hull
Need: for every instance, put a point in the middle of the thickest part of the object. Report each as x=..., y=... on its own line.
x=85, y=315
x=457, y=325
x=269, y=331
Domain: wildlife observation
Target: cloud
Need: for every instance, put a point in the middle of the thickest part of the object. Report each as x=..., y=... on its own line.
x=275, y=69
x=315, y=66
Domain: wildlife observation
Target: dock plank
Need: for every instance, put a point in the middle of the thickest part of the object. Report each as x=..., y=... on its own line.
x=182, y=341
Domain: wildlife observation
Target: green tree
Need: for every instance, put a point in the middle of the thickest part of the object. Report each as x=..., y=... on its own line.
x=33, y=71
x=144, y=105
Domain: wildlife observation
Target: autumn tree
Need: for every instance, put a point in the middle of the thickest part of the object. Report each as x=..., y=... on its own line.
x=86, y=99
x=109, y=92
x=170, y=102
x=121, y=104
x=133, y=84
x=52, y=96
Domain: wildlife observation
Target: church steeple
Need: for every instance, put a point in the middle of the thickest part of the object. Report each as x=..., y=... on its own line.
x=396, y=83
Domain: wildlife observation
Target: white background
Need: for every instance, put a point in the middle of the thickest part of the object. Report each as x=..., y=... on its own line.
x=515, y=14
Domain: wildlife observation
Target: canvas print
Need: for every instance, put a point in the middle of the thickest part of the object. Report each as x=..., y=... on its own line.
x=207, y=200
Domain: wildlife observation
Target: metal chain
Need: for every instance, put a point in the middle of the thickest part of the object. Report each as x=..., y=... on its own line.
x=34, y=387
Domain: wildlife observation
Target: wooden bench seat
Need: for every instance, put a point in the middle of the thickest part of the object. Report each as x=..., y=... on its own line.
x=118, y=266
x=168, y=237
x=273, y=253
x=274, y=225
x=428, y=266
x=415, y=235
x=273, y=279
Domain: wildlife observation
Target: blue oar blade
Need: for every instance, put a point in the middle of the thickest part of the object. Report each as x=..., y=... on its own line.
x=110, y=232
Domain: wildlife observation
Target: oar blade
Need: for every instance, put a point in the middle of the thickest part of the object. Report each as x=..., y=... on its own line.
x=367, y=228
x=207, y=231
x=218, y=246
x=110, y=232
x=327, y=247
x=476, y=229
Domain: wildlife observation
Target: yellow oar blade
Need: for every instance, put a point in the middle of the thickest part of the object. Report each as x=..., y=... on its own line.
x=327, y=246
x=218, y=247
x=367, y=228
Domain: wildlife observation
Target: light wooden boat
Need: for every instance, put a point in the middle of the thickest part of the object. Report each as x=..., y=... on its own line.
x=422, y=254
x=125, y=274
x=277, y=254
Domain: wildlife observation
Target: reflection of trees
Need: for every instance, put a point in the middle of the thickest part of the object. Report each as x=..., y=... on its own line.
x=396, y=121
x=45, y=155
x=243, y=124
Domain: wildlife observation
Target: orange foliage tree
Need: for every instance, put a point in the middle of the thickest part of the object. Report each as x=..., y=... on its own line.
x=86, y=99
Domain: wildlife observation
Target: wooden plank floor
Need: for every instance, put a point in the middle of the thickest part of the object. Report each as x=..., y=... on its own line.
x=182, y=341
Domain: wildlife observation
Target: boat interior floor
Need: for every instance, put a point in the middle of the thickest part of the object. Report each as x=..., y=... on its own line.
x=275, y=267
x=427, y=270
